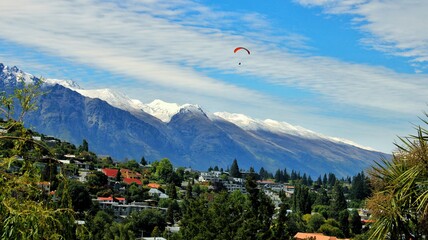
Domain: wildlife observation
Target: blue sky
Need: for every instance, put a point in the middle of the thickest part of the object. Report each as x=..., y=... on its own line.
x=354, y=69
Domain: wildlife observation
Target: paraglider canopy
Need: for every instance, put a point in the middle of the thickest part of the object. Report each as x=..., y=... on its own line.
x=241, y=48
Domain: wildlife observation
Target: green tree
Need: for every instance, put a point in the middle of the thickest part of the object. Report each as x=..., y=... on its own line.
x=135, y=193
x=322, y=197
x=399, y=203
x=278, y=176
x=344, y=222
x=331, y=230
x=119, y=231
x=338, y=200
x=143, y=161
x=96, y=181
x=360, y=188
x=131, y=164
x=355, y=222
x=81, y=199
x=301, y=200
x=294, y=224
x=145, y=221
x=164, y=170
x=25, y=211
x=171, y=191
x=196, y=223
x=171, y=212
x=27, y=96
x=118, y=177
x=279, y=226
x=99, y=224
x=315, y=222
x=84, y=147
x=258, y=214
x=234, y=169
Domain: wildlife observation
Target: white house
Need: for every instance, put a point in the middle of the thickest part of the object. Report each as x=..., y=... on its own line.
x=157, y=192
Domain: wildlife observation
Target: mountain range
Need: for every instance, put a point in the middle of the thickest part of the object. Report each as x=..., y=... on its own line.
x=124, y=128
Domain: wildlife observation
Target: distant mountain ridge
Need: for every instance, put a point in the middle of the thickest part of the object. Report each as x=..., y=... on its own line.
x=165, y=111
x=116, y=125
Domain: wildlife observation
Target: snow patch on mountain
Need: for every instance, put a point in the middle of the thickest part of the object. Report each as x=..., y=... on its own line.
x=162, y=110
x=248, y=123
x=165, y=111
x=270, y=125
x=65, y=83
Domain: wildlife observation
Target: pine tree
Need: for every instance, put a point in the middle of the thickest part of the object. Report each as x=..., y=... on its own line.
x=301, y=201
x=305, y=180
x=338, y=200
x=143, y=161
x=355, y=223
x=234, y=169
x=118, y=177
x=263, y=173
x=344, y=222
x=286, y=176
x=331, y=179
x=319, y=181
x=278, y=176
x=324, y=180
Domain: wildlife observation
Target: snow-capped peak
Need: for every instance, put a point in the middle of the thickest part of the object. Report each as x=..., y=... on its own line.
x=240, y=120
x=14, y=75
x=162, y=110
x=114, y=98
x=65, y=83
x=165, y=111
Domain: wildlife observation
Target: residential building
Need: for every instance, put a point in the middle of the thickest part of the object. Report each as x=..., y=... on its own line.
x=123, y=210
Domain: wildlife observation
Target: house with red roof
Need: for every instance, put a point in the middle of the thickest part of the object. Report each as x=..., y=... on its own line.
x=132, y=180
x=110, y=172
x=121, y=200
x=126, y=173
x=128, y=176
x=153, y=185
x=315, y=236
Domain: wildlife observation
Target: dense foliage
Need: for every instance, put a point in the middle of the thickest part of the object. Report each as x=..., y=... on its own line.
x=400, y=200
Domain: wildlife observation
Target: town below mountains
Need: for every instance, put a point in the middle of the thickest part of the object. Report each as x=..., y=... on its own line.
x=55, y=189
x=123, y=128
x=156, y=200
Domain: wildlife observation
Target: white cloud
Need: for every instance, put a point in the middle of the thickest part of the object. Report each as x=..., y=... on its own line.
x=396, y=27
x=162, y=44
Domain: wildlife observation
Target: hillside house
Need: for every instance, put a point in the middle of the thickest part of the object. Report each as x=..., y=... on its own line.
x=212, y=176
x=124, y=210
x=110, y=199
x=132, y=180
x=234, y=186
x=156, y=192
x=128, y=176
x=154, y=185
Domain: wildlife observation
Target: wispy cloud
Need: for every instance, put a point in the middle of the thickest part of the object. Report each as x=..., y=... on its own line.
x=395, y=27
x=164, y=44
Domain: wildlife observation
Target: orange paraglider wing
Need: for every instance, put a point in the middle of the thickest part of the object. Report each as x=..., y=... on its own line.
x=241, y=48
